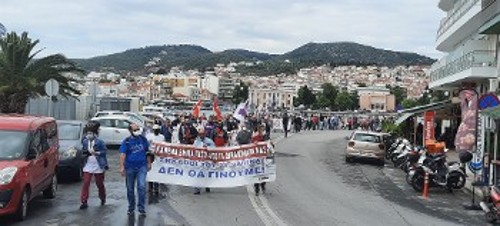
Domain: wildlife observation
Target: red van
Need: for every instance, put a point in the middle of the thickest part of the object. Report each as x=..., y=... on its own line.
x=28, y=161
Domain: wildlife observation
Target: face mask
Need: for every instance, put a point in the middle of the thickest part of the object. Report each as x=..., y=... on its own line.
x=90, y=136
x=137, y=133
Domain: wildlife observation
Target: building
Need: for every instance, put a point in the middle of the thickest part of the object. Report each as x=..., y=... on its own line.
x=376, y=99
x=226, y=88
x=271, y=98
x=468, y=37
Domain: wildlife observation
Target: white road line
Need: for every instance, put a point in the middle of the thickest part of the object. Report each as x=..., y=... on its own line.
x=261, y=206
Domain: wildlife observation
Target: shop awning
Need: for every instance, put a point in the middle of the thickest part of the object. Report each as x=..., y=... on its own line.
x=421, y=109
x=493, y=112
x=403, y=118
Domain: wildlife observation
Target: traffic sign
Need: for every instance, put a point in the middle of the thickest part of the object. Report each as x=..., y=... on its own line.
x=52, y=87
x=488, y=100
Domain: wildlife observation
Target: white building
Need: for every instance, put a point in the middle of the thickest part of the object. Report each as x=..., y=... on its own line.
x=468, y=37
x=271, y=98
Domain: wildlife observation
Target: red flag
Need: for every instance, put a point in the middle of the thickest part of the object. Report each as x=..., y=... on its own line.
x=218, y=114
x=196, y=109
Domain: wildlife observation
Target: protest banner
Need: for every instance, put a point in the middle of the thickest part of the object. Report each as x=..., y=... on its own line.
x=213, y=167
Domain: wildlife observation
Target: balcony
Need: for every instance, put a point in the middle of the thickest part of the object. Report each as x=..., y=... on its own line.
x=460, y=23
x=471, y=66
x=460, y=9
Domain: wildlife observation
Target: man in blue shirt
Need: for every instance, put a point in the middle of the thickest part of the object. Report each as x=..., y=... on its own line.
x=134, y=165
x=202, y=141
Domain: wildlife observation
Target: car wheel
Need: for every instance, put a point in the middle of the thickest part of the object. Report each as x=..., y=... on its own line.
x=349, y=159
x=22, y=208
x=50, y=192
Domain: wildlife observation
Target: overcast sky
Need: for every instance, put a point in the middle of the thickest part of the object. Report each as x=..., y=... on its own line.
x=80, y=29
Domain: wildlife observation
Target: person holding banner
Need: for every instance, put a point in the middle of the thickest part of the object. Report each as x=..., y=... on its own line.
x=202, y=141
x=259, y=136
x=134, y=166
x=154, y=137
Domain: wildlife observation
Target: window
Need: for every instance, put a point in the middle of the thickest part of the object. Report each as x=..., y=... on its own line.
x=364, y=137
x=13, y=144
x=122, y=124
x=35, y=142
x=51, y=132
x=106, y=122
x=69, y=131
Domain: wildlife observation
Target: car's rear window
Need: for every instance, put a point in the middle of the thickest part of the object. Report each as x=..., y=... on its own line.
x=364, y=137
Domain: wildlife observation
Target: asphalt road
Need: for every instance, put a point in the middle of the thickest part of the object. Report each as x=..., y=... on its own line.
x=314, y=187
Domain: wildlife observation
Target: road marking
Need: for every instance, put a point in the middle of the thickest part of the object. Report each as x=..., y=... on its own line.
x=261, y=206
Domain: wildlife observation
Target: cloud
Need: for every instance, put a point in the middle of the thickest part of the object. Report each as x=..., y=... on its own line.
x=96, y=27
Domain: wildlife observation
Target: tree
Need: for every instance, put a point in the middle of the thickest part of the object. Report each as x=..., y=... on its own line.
x=305, y=96
x=344, y=101
x=399, y=93
x=22, y=77
x=240, y=93
x=409, y=103
x=329, y=94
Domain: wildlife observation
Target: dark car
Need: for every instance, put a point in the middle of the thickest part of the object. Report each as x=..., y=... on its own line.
x=70, y=150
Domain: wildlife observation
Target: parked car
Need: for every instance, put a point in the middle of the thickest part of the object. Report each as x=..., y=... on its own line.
x=28, y=161
x=114, y=129
x=137, y=118
x=365, y=145
x=70, y=150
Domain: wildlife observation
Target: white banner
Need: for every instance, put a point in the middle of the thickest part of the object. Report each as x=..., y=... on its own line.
x=213, y=167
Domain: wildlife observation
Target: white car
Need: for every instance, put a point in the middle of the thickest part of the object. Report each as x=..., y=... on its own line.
x=114, y=128
x=138, y=119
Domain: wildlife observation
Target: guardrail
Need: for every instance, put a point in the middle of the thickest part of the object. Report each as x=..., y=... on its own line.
x=460, y=9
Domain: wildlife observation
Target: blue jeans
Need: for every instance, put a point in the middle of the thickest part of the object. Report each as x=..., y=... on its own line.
x=138, y=174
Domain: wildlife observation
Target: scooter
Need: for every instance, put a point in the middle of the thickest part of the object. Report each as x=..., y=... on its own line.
x=441, y=174
x=492, y=209
x=392, y=148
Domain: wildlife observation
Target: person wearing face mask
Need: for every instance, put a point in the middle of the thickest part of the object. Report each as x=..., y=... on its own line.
x=202, y=141
x=154, y=137
x=95, y=163
x=134, y=166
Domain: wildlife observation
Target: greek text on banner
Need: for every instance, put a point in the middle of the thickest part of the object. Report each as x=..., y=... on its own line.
x=213, y=167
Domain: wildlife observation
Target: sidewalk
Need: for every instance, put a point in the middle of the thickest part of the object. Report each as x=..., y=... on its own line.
x=452, y=155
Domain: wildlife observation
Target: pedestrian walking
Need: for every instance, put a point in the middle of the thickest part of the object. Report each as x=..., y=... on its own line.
x=285, y=121
x=154, y=137
x=95, y=163
x=134, y=166
x=202, y=141
x=258, y=136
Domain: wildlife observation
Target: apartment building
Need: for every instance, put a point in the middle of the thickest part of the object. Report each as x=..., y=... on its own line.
x=265, y=98
x=376, y=99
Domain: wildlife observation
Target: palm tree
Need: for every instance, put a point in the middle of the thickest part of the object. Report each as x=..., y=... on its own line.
x=23, y=77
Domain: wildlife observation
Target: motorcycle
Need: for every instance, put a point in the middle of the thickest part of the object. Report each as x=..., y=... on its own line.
x=397, y=155
x=411, y=159
x=392, y=147
x=441, y=174
x=492, y=208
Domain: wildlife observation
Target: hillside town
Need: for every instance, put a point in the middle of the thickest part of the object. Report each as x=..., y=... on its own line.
x=264, y=91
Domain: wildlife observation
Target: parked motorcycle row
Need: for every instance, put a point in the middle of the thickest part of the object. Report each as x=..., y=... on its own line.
x=416, y=161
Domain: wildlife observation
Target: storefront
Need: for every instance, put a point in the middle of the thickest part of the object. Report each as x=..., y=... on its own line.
x=446, y=117
x=490, y=129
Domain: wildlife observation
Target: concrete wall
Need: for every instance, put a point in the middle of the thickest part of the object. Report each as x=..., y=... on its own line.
x=63, y=108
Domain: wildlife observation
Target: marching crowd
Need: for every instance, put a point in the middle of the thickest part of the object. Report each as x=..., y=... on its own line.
x=136, y=151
